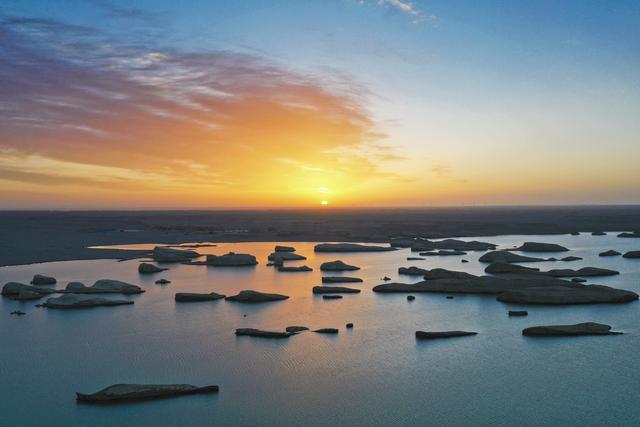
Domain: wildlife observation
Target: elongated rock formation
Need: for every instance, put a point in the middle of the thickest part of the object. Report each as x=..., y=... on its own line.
x=127, y=392
x=578, y=329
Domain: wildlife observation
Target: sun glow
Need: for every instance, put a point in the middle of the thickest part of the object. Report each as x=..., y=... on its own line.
x=324, y=202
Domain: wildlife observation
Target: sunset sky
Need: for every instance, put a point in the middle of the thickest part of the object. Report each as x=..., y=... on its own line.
x=268, y=104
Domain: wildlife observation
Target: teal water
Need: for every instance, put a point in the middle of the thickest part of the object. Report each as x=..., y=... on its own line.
x=375, y=374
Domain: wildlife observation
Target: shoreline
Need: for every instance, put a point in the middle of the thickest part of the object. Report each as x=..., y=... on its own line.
x=29, y=237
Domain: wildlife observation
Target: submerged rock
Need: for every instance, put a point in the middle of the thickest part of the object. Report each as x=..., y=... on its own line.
x=22, y=292
x=571, y=258
x=162, y=282
x=341, y=279
x=331, y=296
x=327, y=331
x=506, y=256
x=635, y=234
x=578, y=329
x=39, y=279
x=412, y=271
x=334, y=290
x=295, y=269
x=337, y=266
x=540, y=247
x=280, y=248
x=518, y=313
x=77, y=301
x=423, y=245
x=349, y=325
x=17, y=313
x=146, y=268
x=231, y=259
x=598, y=233
x=632, y=255
x=610, y=252
x=424, y=335
x=296, y=329
x=565, y=295
x=126, y=392
x=166, y=254
x=250, y=332
x=410, y=297
x=442, y=253
x=351, y=247
x=255, y=296
x=386, y=279
x=195, y=297
x=104, y=286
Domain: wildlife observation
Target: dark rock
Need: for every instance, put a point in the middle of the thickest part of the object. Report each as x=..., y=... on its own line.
x=195, y=297
x=39, y=279
x=326, y=331
x=386, y=279
x=635, y=234
x=285, y=256
x=632, y=255
x=583, y=272
x=341, y=279
x=334, y=290
x=255, y=296
x=146, y=268
x=450, y=244
x=250, y=332
x=126, y=392
x=69, y=301
x=578, y=280
x=518, y=313
x=337, y=266
x=449, y=296
x=506, y=256
x=442, y=253
x=296, y=329
x=331, y=296
x=442, y=273
x=166, y=254
x=579, y=329
x=231, y=260
x=423, y=335
x=505, y=267
x=476, y=285
x=295, y=269
x=415, y=258
x=351, y=247
x=598, y=233
x=565, y=295
x=349, y=325
x=20, y=291
x=540, y=247
x=412, y=271
x=610, y=252
x=162, y=282
x=280, y=248
x=104, y=286
x=571, y=258
x=575, y=233
x=410, y=297
x=464, y=261
x=18, y=313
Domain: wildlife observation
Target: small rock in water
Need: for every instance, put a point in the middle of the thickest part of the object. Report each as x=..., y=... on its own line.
x=449, y=296
x=301, y=268
x=194, y=297
x=326, y=331
x=39, y=279
x=579, y=329
x=18, y=313
x=331, y=296
x=598, y=233
x=349, y=325
x=464, y=261
x=410, y=297
x=518, y=313
x=126, y=392
x=146, y=268
x=610, y=252
x=163, y=282
x=578, y=280
x=250, y=332
x=280, y=248
x=444, y=334
x=295, y=329
x=386, y=279
x=415, y=258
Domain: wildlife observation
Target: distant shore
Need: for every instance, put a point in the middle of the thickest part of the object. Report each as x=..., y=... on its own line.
x=28, y=237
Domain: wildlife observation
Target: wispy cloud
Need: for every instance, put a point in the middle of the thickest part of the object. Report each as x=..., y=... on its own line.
x=417, y=14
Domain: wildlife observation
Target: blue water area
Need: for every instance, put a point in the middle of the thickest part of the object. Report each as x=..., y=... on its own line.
x=375, y=374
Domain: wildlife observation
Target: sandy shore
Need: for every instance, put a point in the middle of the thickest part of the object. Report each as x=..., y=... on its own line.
x=31, y=237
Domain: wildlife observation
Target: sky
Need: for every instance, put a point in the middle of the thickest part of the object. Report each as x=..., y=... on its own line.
x=154, y=104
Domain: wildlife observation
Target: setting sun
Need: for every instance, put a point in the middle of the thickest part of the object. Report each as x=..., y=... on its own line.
x=324, y=203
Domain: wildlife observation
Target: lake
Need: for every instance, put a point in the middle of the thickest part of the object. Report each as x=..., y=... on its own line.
x=375, y=374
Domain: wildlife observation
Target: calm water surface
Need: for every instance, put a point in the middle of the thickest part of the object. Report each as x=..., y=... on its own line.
x=375, y=374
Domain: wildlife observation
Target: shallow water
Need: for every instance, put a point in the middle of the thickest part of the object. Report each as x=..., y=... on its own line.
x=375, y=374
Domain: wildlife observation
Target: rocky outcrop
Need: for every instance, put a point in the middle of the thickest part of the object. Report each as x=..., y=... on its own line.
x=540, y=247
x=341, y=279
x=39, y=279
x=567, y=295
x=295, y=269
x=442, y=273
x=632, y=255
x=195, y=297
x=231, y=259
x=250, y=332
x=104, y=286
x=635, y=234
x=351, y=247
x=442, y=253
x=327, y=331
x=296, y=329
x=570, y=258
x=412, y=271
x=280, y=248
x=506, y=256
x=423, y=245
x=285, y=256
x=505, y=268
x=21, y=292
x=146, y=268
x=69, y=301
x=424, y=335
x=255, y=297
x=128, y=392
x=579, y=329
x=166, y=254
x=610, y=252
x=337, y=266
x=334, y=290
